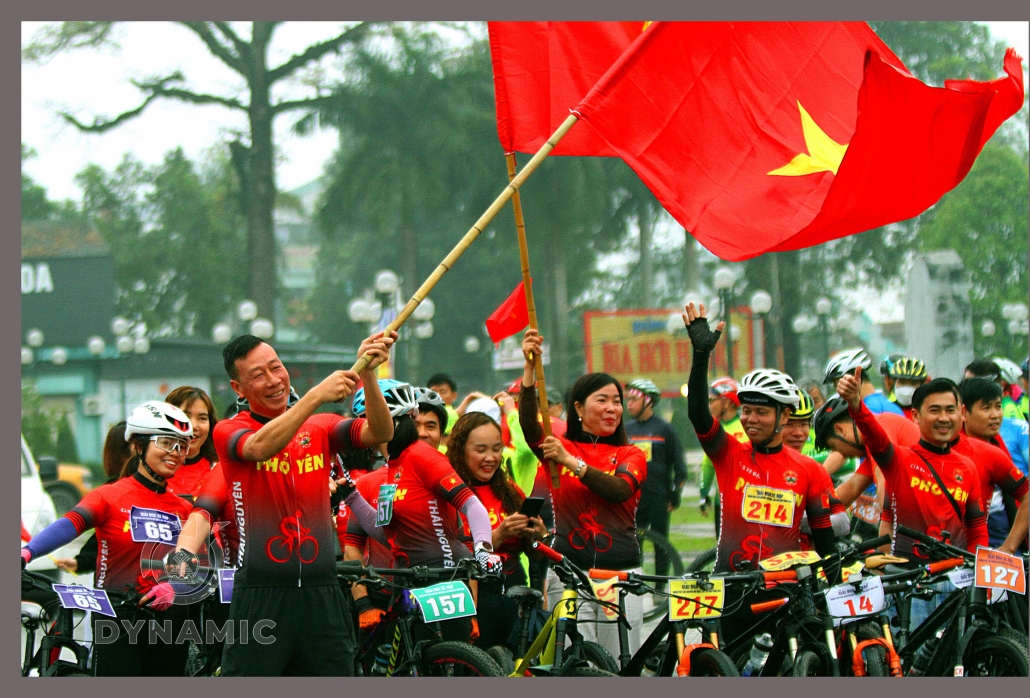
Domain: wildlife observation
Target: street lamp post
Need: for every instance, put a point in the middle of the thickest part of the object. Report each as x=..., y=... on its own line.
x=822, y=309
x=988, y=330
x=723, y=284
x=761, y=304
x=379, y=306
x=1016, y=314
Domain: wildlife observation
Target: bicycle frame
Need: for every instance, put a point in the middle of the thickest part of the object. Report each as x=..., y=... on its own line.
x=549, y=644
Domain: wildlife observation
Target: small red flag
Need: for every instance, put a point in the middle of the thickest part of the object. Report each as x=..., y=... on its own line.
x=510, y=317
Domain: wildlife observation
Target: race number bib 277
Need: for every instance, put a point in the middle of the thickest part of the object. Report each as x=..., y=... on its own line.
x=767, y=505
x=153, y=526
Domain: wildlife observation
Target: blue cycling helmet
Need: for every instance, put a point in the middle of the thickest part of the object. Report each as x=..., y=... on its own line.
x=401, y=398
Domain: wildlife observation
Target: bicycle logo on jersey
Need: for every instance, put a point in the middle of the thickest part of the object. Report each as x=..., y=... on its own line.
x=590, y=531
x=295, y=537
x=753, y=549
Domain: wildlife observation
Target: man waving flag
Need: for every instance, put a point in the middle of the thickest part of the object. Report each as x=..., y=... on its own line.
x=767, y=136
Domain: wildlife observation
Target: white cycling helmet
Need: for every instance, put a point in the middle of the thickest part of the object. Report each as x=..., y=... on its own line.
x=767, y=386
x=401, y=398
x=845, y=362
x=1010, y=372
x=156, y=418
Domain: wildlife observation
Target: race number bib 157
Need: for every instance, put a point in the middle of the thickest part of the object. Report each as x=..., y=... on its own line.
x=444, y=601
x=384, y=504
x=689, y=600
x=82, y=598
x=767, y=505
x=153, y=526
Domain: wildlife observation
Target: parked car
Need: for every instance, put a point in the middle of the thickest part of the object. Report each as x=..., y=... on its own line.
x=37, y=508
x=66, y=483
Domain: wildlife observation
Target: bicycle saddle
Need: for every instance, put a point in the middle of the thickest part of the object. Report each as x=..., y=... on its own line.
x=875, y=562
x=521, y=593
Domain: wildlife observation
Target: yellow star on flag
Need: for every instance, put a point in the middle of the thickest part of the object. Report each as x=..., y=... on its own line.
x=824, y=154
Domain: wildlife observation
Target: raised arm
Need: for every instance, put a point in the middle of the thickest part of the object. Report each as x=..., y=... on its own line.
x=702, y=342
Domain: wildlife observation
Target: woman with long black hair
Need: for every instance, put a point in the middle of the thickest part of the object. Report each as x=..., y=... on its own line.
x=475, y=450
x=595, y=505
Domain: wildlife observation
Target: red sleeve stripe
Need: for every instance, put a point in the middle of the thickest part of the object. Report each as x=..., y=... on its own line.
x=711, y=432
x=81, y=519
x=978, y=521
x=233, y=443
x=1021, y=490
x=821, y=521
x=460, y=495
x=355, y=432
x=354, y=540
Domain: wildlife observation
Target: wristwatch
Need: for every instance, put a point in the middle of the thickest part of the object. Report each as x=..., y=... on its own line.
x=582, y=464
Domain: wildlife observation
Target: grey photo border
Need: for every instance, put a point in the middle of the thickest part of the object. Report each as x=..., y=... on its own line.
x=16, y=11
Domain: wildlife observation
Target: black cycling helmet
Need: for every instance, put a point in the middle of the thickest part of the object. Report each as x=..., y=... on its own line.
x=908, y=368
x=888, y=363
x=830, y=411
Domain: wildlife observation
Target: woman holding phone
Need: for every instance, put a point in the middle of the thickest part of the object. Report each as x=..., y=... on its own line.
x=475, y=452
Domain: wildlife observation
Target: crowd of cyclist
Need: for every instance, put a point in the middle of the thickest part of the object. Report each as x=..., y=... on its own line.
x=280, y=493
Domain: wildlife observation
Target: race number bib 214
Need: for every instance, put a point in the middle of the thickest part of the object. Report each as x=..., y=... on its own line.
x=767, y=505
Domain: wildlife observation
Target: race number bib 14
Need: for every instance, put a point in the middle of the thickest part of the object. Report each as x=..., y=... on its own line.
x=769, y=506
x=82, y=598
x=384, y=504
x=444, y=601
x=851, y=600
x=689, y=600
x=153, y=526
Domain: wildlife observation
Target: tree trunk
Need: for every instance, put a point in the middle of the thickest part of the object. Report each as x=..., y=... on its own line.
x=646, y=257
x=260, y=196
x=410, y=283
x=691, y=273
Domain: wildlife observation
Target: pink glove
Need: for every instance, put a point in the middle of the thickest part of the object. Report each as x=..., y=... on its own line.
x=26, y=557
x=160, y=597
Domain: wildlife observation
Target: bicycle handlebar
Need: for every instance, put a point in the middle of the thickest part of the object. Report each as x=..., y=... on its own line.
x=934, y=543
x=945, y=565
x=354, y=568
x=764, y=606
x=548, y=552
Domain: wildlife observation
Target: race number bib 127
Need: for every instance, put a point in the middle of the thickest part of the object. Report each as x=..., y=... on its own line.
x=688, y=600
x=82, y=598
x=767, y=505
x=998, y=570
x=153, y=526
x=384, y=504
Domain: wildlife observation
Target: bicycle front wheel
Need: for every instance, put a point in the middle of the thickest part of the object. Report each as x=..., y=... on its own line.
x=457, y=659
x=705, y=562
x=596, y=656
x=874, y=656
x=654, y=547
x=996, y=656
x=809, y=663
x=709, y=662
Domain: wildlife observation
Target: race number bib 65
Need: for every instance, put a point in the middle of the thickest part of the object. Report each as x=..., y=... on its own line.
x=689, y=600
x=153, y=526
x=384, y=504
x=767, y=505
x=84, y=599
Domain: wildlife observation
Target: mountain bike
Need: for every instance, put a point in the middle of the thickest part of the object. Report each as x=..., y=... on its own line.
x=58, y=625
x=691, y=604
x=548, y=655
x=653, y=546
x=967, y=634
x=394, y=646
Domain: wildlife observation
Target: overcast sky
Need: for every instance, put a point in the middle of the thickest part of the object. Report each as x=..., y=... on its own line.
x=90, y=83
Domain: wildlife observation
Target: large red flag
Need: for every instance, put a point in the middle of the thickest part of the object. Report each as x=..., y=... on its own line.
x=542, y=70
x=510, y=317
x=780, y=135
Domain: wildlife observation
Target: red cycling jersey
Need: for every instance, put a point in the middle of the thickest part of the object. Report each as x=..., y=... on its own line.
x=283, y=502
x=762, y=494
x=227, y=524
x=995, y=468
x=510, y=548
x=376, y=554
x=423, y=529
x=189, y=478
x=824, y=482
x=592, y=531
x=900, y=430
x=119, y=511
x=914, y=495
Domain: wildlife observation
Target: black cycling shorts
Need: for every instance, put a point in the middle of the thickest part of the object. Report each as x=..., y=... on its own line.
x=305, y=631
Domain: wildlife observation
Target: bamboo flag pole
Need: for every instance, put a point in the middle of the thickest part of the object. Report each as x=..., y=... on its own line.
x=473, y=233
x=527, y=285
